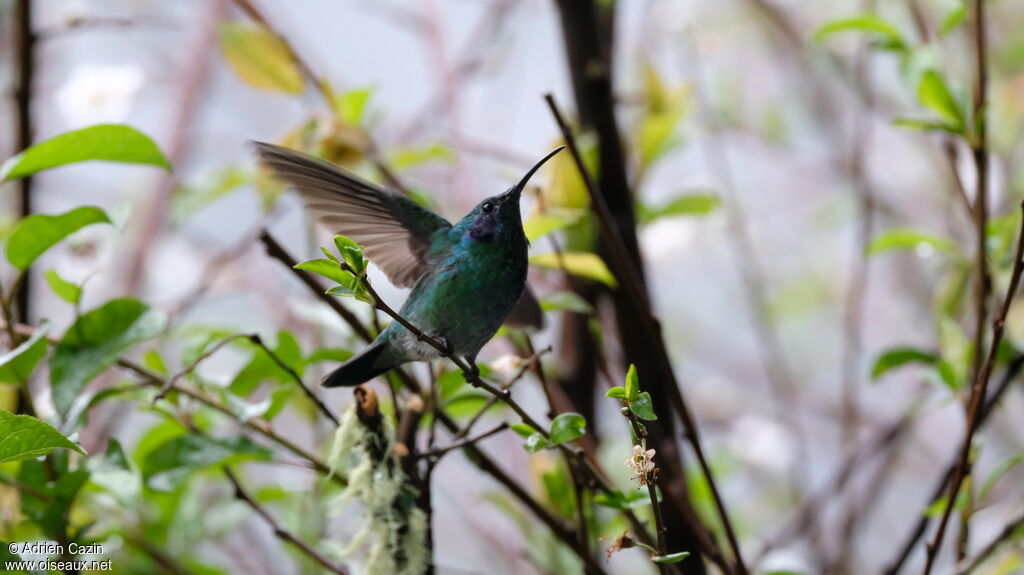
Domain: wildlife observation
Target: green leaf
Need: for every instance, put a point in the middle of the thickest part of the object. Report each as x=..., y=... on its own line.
x=466, y=404
x=934, y=94
x=686, y=205
x=660, y=118
x=535, y=443
x=24, y=437
x=65, y=290
x=900, y=356
x=908, y=239
x=618, y=392
x=524, y=430
x=350, y=107
x=671, y=557
x=94, y=341
x=618, y=500
x=336, y=355
x=17, y=365
x=870, y=24
x=174, y=460
x=38, y=233
x=565, y=301
x=953, y=18
x=582, y=264
x=260, y=58
x=632, y=383
x=328, y=269
x=643, y=407
x=352, y=253
x=106, y=142
x=567, y=427
x=262, y=367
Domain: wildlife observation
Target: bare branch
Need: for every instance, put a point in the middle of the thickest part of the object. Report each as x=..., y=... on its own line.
x=279, y=530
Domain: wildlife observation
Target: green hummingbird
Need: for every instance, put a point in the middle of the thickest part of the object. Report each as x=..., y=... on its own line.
x=467, y=279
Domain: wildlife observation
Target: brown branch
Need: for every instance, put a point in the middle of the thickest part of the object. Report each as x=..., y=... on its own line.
x=279, y=530
x=171, y=381
x=970, y=564
x=437, y=453
x=977, y=398
x=527, y=364
x=276, y=251
x=25, y=50
x=255, y=339
x=258, y=425
x=625, y=271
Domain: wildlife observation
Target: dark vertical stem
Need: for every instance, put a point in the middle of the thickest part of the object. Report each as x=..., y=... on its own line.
x=26, y=40
x=589, y=62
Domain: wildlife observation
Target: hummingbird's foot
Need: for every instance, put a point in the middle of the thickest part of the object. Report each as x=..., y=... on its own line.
x=473, y=373
x=448, y=349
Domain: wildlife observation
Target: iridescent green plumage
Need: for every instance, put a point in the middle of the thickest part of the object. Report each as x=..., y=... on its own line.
x=468, y=278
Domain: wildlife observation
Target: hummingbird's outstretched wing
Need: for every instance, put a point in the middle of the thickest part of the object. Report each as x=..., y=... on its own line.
x=395, y=232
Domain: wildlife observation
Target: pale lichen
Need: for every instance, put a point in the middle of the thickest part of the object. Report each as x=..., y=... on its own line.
x=396, y=529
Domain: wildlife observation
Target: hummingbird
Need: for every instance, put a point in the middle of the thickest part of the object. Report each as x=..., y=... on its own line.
x=467, y=279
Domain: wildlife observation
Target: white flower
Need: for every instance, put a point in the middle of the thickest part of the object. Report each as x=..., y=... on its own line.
x=642, y=464
x=96, y=94
x=507, y=364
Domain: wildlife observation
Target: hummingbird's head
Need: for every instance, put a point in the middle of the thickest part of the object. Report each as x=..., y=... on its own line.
x=498, y=215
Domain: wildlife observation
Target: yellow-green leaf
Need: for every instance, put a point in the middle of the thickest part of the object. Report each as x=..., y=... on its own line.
x=935, y=95
x=577, y=263
x=542, y=224
x=260, y=58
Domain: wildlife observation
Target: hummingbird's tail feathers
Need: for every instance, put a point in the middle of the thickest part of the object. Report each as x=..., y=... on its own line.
x=371, y=362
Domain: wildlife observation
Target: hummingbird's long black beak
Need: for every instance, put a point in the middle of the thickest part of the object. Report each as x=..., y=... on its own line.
x=517, y=191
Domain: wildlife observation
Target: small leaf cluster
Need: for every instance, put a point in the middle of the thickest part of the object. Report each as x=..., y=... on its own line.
x=565, y=427
x=349, y=272
x=638, y=402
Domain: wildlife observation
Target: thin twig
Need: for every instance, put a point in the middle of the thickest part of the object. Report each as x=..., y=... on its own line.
x=976, y=401
x=260, y=426
x=527, y=364
x=277, y=251
x=255, y=339
x=436, y=454
x=171, y=381
x=971, y=563
x=279, y=530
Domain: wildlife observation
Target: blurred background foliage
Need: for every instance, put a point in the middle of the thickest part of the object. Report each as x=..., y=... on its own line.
x=803, y=180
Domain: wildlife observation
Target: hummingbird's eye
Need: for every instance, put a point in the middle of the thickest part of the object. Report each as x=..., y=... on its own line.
x=487, y=208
